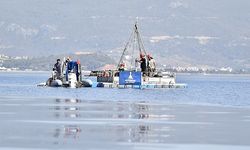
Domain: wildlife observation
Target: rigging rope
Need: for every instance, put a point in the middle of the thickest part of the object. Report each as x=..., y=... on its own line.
x=136, y=40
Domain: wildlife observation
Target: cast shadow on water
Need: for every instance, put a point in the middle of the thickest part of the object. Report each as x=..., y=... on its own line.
x=109, y=121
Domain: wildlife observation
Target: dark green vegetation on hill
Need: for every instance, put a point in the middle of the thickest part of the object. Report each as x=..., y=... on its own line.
x=88, y=61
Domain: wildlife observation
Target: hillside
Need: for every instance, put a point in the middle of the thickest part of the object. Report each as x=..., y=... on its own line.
x=206, y=33
x=89, y=61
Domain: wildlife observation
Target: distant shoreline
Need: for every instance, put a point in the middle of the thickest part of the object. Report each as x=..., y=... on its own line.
x=22, y=71
x=178, y=73
x=211, y=74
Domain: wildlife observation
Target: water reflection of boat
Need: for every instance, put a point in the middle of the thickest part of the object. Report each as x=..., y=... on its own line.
x=134, y=72
x=121, y=121
x=67, y=109
x=69, y=131
x=72, y=131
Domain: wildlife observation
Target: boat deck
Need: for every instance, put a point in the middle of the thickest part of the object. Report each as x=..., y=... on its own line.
x=143, y=86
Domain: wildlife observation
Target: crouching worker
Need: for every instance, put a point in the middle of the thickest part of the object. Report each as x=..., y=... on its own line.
x=122, y=67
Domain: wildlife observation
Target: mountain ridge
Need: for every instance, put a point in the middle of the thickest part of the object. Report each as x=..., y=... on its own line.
x=205, y=33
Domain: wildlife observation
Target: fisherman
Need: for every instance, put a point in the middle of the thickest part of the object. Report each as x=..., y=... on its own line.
x=122, y=66
x=58, y=69
x=73, y=67
x=151, y=65
x=144, y=64
x=78, y=70
x=69, y=67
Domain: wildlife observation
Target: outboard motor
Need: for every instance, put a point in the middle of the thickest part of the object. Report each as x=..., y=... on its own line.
x=72, y=81
x=70, y=75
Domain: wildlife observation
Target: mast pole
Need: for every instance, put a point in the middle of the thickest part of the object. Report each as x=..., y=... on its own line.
x=136, y=39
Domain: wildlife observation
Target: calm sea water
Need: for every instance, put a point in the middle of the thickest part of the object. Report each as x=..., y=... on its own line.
x=212, y=113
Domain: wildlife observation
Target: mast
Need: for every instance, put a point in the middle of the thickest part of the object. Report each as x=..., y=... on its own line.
x=135, y=41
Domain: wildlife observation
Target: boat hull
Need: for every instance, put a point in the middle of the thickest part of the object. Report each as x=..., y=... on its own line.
x=147, y=82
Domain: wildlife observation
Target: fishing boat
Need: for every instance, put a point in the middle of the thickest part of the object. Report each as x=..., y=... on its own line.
x=133, y=69
x=71, y=76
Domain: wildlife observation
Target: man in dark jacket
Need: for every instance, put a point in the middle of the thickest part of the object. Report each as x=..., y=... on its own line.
x=58, y=68
x=144, y=64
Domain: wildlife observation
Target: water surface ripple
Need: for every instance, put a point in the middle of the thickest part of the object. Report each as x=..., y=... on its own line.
x=212, y=113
